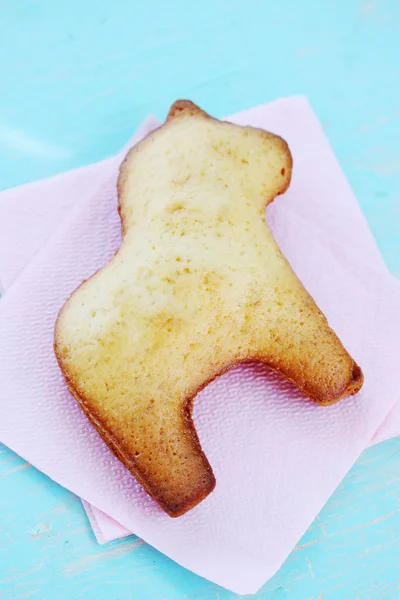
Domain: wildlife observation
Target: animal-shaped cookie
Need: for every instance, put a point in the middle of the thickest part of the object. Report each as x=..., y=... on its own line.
x=198, y=286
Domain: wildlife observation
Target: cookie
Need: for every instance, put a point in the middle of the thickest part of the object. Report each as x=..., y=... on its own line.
x=198, y=286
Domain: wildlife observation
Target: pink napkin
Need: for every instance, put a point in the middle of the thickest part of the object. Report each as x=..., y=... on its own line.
x=38, y=208
x=277, y=457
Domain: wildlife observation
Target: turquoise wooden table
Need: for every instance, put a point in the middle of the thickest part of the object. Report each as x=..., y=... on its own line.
x=76, y=78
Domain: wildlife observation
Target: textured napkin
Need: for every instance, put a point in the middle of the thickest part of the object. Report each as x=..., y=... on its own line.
x=277, y=457
x=38, y=208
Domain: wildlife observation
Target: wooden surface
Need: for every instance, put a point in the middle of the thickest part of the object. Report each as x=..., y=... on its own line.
x=76, y=78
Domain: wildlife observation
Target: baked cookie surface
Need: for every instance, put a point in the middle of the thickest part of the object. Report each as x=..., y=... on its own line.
x=198, y=286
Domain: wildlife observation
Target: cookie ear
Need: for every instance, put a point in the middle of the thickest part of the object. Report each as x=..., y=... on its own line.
x=185, y=107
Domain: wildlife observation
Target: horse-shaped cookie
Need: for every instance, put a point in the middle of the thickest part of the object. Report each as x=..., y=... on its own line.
x=198, y=286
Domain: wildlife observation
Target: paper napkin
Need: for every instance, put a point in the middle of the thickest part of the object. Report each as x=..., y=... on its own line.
x=277, y=457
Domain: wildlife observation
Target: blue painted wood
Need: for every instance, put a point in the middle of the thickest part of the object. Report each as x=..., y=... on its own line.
x=76, y=79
